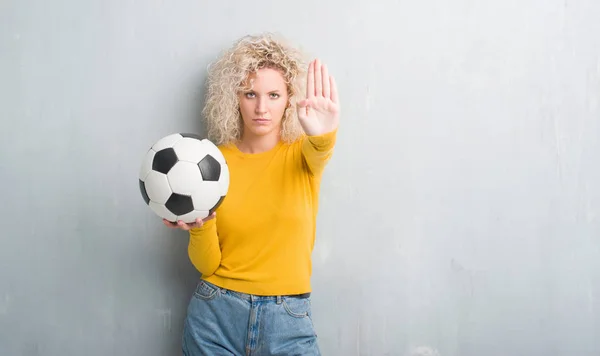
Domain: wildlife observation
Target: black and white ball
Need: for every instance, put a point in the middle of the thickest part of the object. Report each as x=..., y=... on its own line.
x=183, y=177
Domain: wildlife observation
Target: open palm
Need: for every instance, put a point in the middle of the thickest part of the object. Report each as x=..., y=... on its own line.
x=319, y=112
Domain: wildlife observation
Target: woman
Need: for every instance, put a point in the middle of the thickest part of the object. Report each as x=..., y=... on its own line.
x=255, y=257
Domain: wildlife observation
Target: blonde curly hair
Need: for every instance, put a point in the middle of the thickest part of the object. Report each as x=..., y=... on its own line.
x=226, y=78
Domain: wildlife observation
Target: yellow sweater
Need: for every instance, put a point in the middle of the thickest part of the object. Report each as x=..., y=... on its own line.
x=262, y=238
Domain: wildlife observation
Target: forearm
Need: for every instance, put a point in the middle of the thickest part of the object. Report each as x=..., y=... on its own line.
x=317, y=150
x=204, y=250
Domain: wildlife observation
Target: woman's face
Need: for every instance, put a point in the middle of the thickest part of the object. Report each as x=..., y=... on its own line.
x=263, y=106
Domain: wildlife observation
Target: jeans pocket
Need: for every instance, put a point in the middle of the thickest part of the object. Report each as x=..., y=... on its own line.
x=205, y=291
x=297, y=307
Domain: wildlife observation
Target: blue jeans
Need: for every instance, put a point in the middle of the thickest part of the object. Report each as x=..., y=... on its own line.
x=224, y=322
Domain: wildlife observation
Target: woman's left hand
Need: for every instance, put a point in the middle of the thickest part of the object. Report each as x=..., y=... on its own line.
x=319, y=112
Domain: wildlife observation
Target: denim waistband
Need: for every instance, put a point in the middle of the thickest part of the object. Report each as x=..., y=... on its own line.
x=255, y=298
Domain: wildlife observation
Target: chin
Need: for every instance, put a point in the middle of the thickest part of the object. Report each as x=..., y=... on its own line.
x=262, y=130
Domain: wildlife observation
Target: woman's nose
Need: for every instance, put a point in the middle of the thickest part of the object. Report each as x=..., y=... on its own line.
x=261, y=106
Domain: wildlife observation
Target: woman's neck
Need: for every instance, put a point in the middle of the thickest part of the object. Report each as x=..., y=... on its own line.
x=257, y=144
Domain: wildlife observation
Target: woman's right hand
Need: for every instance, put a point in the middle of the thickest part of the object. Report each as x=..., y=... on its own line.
x=181, y=225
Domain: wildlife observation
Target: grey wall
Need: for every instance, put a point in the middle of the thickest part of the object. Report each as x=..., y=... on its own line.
x=461, y=212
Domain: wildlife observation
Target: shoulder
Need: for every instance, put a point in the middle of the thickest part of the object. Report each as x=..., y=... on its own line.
x=226, y=149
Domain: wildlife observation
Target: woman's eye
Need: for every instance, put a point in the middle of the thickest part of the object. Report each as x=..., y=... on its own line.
x=249, y=95
x=274, y=95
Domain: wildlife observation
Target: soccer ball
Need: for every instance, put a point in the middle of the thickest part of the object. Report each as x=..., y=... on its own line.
x=183, y=177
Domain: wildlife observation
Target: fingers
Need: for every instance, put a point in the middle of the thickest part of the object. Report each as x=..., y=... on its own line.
x=184, y=226
x=187, y=227
x=326, y=80
x=310, y=78
x=211, y=216
x=169, y=223
x=334, y=92
x=318, y=78
x=302, y=107
x=319, y=82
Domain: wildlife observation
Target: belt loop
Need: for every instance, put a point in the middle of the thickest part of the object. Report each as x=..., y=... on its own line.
x=279, y=299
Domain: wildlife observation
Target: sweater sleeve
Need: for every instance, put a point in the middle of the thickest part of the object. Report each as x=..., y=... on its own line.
x=317, y=150
x=204, y=249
